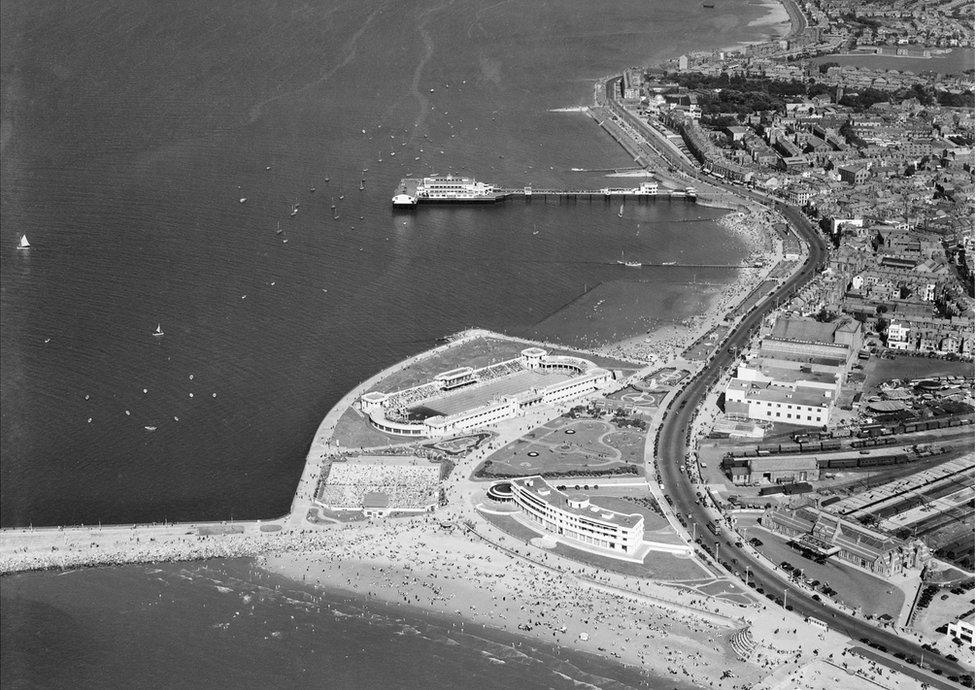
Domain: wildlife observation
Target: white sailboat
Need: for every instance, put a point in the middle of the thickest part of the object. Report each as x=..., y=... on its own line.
x=24, y=244
x=158, y=332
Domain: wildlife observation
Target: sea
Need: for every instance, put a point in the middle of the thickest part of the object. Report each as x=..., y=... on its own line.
x=177, y=164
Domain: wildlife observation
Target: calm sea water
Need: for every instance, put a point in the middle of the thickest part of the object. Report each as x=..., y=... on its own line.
x=224, y=625
x=130, y=130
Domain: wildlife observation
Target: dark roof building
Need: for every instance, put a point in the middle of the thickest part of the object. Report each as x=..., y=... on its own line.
x=849, y=540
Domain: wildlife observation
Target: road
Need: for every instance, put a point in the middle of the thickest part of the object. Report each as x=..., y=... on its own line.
x=673, y=444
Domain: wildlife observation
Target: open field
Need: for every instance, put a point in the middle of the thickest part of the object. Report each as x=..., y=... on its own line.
x=564, y=445
x=879, y=369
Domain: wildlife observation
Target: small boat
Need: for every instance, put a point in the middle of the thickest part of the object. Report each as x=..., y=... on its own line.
x=362, y=184
x=243, y=199
x=341, y=197
x=158, y=332
x=311, y=189
x=630, y=264
x=620, y=213
x=149, y=428
x=294, y=210
x=24, y=244
x=278, y=229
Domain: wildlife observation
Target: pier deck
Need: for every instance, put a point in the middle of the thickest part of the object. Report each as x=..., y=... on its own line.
x=409, y=187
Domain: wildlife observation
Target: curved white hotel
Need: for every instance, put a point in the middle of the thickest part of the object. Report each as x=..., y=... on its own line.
x=467, y=398
x=575, y=519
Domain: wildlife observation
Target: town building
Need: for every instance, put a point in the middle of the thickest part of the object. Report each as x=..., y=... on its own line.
x=961, y=630
x=831, y=535
x=778, y=469
x=797, y=373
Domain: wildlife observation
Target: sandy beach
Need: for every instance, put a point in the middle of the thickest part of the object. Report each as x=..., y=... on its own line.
x=496, y=582
x=452, y=575
x=665, y=343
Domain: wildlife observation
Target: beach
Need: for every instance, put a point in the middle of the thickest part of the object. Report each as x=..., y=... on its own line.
x=453, y=573
x=661, y=345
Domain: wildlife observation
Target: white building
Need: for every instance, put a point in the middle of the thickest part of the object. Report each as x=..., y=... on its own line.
x=801, y=405
x=962, y=630
x=576, y=519
x=578, y=377
x=898, y=335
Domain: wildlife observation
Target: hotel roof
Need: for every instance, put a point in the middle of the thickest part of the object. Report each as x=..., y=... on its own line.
x=582, y=508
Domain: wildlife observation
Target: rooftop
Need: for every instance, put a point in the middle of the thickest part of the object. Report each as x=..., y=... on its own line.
x=580, y=507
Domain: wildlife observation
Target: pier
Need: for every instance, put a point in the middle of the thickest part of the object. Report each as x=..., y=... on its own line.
x=413, y=191
x=609, y=194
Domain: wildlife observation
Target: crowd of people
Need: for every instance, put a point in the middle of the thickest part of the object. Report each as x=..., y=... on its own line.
x=407, y=486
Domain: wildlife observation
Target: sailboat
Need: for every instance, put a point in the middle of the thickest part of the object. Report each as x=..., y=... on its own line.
x=24, y=244
x=629, y=264
x=620, y=213
x=158, y=332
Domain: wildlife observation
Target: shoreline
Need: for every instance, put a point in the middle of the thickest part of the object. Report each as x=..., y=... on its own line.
x=432, y=572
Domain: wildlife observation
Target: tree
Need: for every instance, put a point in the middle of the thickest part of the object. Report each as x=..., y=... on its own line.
x=881, y=326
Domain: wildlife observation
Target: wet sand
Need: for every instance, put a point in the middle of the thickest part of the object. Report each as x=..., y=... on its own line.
x=666, y=342
x=415, y=564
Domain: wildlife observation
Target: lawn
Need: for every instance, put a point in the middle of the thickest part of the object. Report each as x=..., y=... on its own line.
x=564, y=446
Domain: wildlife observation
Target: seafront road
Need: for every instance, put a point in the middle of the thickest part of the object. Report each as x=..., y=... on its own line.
x=672, y=448
x=681, y=410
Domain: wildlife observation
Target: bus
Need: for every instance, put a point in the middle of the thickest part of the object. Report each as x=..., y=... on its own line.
x=816, y=622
